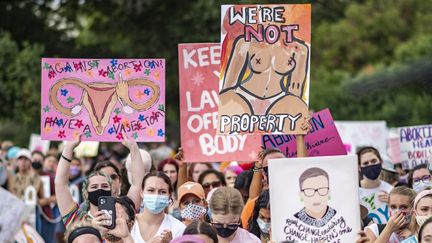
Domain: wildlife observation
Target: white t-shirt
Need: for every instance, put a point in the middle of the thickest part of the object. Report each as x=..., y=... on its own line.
x=169, y=223
x=375, y=231
x=377, y=210
x=243, y=236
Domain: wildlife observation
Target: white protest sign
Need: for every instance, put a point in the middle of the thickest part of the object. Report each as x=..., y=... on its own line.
x=314, y=199
x=415, y=145
x=37, y=144
x=357, y=134
x=11, y=209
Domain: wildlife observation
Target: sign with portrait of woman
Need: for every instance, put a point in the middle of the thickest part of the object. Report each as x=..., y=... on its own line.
x=265, y=67
x=314, y=199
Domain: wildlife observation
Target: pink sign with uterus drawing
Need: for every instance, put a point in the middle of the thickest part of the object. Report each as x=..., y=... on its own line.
x=103, y=99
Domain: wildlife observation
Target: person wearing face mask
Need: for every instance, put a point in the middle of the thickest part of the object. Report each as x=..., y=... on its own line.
x=420, y=178
x=259, y=224
x=153, y=224
x=95, y=185
x=125, y=212
x=400, y=212
x=422, y=209
x=226, y=205
x=193, y=206
x=373, y=192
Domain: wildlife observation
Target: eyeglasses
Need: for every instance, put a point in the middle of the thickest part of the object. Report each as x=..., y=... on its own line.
x=114, y=177
x=213, y=184
x=425, y=179
x=227, y=226
x=310, y=192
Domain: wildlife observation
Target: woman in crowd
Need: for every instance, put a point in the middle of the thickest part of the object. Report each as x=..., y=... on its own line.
x=259, y=223
x=370, y=166
x=226, y=205
x=231, y=172
x=422, y=210
x=400, y=211
x=202, y=230
x=153, y=224
x=420, y=178
x=192, y=202
x=425, y=233
x=170, y=168
x=211, y=179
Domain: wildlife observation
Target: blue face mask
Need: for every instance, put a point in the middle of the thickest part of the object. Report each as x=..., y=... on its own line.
x=155, y=203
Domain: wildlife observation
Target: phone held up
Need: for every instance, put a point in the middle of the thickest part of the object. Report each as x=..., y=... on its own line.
x=107, y=205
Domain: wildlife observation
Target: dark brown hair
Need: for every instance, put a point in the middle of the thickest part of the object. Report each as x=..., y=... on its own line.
x=368, y=149
x=159, y=175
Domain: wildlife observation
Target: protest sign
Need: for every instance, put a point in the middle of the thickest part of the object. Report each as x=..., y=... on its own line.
x=322, y=196
x=415, y=145
x=265, y=68
x=37, y=144
x=322, y=140
x=12, y=210
x=199, y=79
x=357, y=134
x=103, y=99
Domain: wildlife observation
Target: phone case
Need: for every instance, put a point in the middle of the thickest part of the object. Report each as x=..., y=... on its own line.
x=107, y=205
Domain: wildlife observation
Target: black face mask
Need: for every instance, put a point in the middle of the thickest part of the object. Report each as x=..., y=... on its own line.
x=94, y=196
x=226, y=232
x=37, y=165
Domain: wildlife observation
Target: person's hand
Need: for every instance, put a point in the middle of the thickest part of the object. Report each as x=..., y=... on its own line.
x=180, y=156
x=128, y=143
x=101, y=220
x=305, y=125
x=403, y=234
x=383, y=196
x=71, y=145
x=363, y=238
x=396, y=222
x=166, y=236
x=121, y=230
x=122, y=89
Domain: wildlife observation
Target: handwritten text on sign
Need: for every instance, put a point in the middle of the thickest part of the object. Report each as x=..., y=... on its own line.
x=415, y=145
x=199, y=98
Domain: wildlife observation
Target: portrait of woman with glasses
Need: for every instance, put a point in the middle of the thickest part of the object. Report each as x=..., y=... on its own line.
x=315, y=195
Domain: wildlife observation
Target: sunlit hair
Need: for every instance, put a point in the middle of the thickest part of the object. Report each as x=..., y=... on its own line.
x=226, y=200
x=264, y=152
x=86, y=184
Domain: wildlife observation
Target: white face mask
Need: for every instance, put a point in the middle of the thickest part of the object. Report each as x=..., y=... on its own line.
x=193, y=212
x=421, y=219
x=420, y=186
x=264, y=227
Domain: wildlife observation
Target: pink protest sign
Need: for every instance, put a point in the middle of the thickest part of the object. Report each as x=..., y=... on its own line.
x=322, y=140
x=199, y=66
x=103, y=99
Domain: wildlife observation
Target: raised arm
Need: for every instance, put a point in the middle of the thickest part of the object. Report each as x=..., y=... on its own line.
x=182, y=176
x=64, y=197
x=138, y=171
x=256, y=183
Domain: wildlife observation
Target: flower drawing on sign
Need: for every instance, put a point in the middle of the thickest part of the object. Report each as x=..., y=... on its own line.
x=197, y=79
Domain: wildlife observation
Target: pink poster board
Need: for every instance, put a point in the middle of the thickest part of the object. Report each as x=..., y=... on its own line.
x=104, y=99
x=322, y=140
x=199, y=97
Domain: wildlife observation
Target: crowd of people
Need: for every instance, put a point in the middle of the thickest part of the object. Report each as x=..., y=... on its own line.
x=161, y=199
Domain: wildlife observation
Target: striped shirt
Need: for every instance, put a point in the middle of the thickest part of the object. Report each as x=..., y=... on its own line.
x=75, y=215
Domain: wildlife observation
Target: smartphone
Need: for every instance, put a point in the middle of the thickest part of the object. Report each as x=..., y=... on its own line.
x=107, y=205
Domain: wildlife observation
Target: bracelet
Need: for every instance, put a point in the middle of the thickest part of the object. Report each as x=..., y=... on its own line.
x=257, y=169
x=68, y=160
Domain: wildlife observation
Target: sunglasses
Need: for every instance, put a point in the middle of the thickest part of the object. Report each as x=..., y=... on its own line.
x=227, y=226
x=213, y=184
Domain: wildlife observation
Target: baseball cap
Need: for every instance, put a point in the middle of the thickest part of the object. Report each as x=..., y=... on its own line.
x=24, y=153
x=191, y=188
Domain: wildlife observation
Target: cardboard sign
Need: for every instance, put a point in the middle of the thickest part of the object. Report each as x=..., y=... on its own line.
x=199, y=77
x=415, y=145
x=322, y=140
x=12, y=210
x=357, y=134
x=37, y=144
x=104, y=99
x=265, y=68
x=322, y=196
